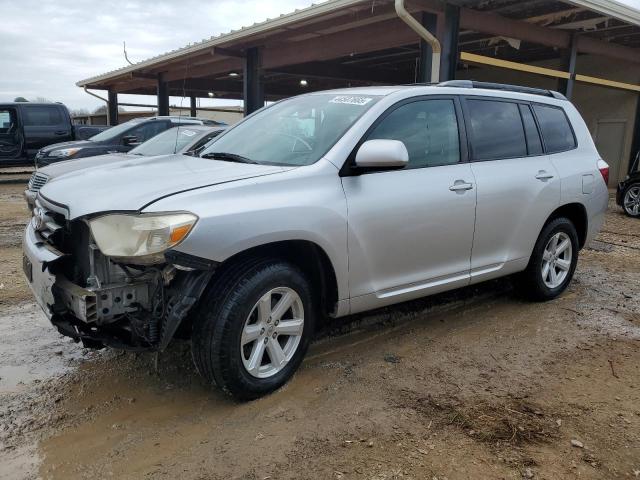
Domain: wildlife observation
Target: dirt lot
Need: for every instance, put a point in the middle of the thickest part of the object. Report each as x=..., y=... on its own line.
x=475, y=384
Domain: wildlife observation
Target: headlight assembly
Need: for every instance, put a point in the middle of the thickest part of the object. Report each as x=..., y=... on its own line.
x=65, y=152
x=139, y=235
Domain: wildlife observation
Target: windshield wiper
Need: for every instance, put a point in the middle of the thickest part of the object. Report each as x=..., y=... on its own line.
x=228, y=157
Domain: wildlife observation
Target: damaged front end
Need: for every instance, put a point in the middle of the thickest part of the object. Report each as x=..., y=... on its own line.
x=134, y=303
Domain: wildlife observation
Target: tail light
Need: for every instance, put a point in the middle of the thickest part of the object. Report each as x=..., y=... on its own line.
x=604, y=170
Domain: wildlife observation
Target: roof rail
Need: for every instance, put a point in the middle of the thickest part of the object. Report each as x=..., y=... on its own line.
x=502, y=86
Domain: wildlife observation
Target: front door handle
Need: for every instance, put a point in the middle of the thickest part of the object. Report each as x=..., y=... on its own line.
x=544, y=175
x=460, y=185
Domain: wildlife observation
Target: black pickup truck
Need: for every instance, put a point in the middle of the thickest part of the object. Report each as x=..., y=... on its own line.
x=27, y=127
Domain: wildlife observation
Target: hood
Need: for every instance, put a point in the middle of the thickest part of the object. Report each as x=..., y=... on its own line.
x=134, y=183
x=60, y=168
x=73, y=144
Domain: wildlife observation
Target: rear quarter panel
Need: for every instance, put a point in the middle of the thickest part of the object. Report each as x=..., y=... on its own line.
x=581, y=180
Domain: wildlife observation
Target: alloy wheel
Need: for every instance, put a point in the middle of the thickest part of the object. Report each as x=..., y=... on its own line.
x=631, y=201
x=272, y=332
x=556, y=260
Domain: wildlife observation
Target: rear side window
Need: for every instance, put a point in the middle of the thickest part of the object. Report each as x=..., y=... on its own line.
x=556, y=131
x=496, y=130
x=534, y=144
x=429, y=130
x=42, y=116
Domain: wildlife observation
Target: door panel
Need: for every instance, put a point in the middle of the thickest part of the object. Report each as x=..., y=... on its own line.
x=515, y=198
x=44, y=125
x=408, y=228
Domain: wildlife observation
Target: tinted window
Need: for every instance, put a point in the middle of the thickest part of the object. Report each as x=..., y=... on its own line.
x=42, y=116
x=429, y=130
x=148, y=130
x=555, y=127
x=534, y=144
x=496, y=130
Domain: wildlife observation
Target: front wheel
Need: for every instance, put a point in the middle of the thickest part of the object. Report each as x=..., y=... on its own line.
x=254, y=327
x=631, y=200
x=552, y=262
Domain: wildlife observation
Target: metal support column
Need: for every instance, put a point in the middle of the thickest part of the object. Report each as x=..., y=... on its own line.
x=253, y=90
x=163, y=95
x=193, y=111
x=112, y=107
x=565, y=86
x=449, y=59
x=430, y=22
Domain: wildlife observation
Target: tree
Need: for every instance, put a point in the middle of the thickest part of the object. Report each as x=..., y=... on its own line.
x=20, y=99
x=102, y=109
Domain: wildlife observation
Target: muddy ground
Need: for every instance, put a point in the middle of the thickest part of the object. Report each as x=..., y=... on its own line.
x=474, y=384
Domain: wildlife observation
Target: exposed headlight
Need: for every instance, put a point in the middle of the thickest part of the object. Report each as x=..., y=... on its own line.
x=139, y=235
x=65, y=152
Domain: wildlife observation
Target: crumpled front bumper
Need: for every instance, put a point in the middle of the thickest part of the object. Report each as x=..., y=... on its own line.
x=36, y=261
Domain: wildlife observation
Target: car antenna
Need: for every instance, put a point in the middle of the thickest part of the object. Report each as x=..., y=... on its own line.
x=126, y=57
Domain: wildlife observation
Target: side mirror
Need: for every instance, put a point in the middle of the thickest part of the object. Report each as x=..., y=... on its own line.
x=130, y=140
x=382, y=154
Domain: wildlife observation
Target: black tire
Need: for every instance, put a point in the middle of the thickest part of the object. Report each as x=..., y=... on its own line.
x=530, y=283
x=626, y=190
x=221, y=317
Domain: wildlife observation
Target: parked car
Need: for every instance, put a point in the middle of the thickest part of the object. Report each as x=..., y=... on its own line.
x=118, y=139
x=187, y=140
x=26, y=127
x=325, y=204
x=628, y=192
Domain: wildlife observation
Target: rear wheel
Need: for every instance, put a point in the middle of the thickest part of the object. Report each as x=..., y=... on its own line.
x=631, y=200
x=254, y=327
x=552, y=262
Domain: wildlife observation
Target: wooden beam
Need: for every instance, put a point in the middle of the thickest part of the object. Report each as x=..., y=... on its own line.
x=522, y=67
x=337, y=71
x=377, y=36
x=227, y=52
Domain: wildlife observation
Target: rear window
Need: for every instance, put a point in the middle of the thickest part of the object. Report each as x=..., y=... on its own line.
x=556, y=131
x=42, y=116
x=496, y=130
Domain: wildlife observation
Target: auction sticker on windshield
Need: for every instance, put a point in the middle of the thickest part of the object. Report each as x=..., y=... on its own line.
x=351, y=100
x=188, y=133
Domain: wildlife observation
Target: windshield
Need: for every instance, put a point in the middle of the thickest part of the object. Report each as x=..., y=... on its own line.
x=114, y=132
x=298, y=131
x=169, y=141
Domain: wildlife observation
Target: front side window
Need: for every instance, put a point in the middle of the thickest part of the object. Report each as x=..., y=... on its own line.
x=7, y=121
x=42, y=116
x=429, y=130
x=147, y=130
x=294, y=132
x=496, y=130
x=556, y=131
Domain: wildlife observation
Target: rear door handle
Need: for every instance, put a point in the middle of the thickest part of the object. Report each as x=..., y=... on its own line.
x=460, y=185
x=60, y=132
x=544, y=175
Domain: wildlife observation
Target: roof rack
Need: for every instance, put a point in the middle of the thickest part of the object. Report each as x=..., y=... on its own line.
x=503, y=87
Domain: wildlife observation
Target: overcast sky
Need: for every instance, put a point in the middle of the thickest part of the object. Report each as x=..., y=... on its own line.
x=46, y=46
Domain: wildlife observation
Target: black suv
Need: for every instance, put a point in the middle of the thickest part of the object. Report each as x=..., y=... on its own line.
x=26, y=127
x=120, y=138
x=628, y=194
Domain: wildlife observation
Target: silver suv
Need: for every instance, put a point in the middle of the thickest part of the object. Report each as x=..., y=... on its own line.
x=321, y=205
